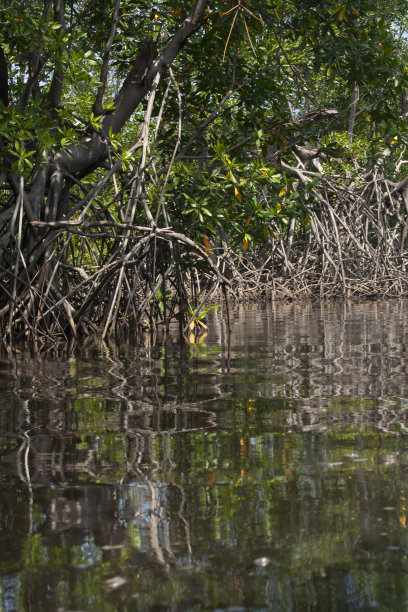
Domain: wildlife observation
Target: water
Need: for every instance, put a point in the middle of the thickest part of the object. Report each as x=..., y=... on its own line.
x=270, y=477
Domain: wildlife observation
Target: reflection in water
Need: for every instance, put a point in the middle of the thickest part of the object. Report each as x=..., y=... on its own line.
x=185, y=478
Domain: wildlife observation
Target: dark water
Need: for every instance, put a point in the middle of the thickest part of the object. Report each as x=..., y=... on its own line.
x=182, y=478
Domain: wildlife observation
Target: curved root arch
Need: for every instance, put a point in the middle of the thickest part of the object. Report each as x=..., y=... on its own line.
x=106, y=277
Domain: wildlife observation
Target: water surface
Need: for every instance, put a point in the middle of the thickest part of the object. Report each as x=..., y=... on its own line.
x=271, y=476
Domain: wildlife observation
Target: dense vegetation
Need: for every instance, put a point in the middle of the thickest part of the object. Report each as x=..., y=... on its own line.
x=153, y=153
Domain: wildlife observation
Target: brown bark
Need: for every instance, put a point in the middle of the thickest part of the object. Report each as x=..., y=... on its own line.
x=135, y=87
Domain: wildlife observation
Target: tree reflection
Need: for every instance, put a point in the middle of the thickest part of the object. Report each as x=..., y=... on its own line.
x=142, y=477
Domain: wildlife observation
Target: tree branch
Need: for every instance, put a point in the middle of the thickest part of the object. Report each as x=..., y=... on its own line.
x=97, y=107
x=135, y=87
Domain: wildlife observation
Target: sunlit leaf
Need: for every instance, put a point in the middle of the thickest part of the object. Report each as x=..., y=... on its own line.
x=342, y=13
x=207, y=245
x=238, y=194
x=282, y=191
x=200, y=339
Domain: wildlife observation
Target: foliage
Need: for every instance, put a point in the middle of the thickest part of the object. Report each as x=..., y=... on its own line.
x=150, y=147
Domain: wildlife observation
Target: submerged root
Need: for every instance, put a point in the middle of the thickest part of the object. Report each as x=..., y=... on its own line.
x=160, y=277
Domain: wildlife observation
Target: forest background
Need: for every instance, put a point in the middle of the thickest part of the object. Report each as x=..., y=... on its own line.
x=156, y=154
